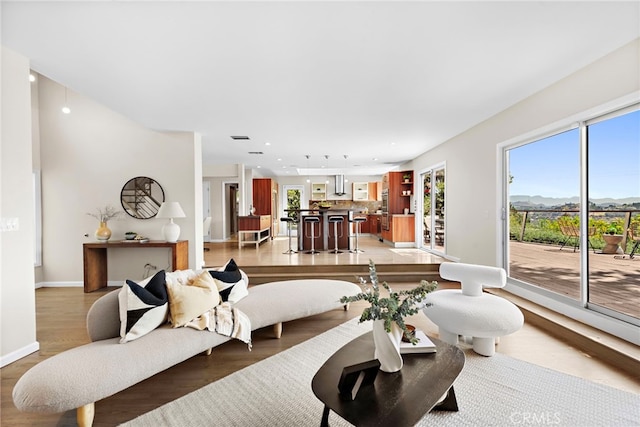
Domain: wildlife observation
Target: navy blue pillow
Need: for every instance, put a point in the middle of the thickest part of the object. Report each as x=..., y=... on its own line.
x=230, y=275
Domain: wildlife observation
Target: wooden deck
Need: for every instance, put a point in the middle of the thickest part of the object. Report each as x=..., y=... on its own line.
x=614, y=282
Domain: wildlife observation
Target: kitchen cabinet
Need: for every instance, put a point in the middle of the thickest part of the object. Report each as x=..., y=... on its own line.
x=399, y=191
x=375, y=191
x=360, y=191
x=265, y=201
x=367, y=191
x=365, y=226
x=319, y=191
x=401, y=229
x=374, y=224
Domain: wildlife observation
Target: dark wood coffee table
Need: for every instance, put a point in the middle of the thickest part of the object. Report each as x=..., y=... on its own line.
x=400, y=398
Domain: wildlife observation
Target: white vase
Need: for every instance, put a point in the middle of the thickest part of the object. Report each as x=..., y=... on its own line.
x=387, y=346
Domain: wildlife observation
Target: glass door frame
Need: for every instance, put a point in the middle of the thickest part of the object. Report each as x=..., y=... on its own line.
x=419, y=209
x=615, y=323
x=304, y=204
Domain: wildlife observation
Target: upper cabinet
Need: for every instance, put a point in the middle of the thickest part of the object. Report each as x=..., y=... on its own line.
x=367, y=191
x=360, y=191
x=319, y=191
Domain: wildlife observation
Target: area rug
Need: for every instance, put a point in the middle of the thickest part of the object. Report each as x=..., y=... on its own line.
x=491, y=391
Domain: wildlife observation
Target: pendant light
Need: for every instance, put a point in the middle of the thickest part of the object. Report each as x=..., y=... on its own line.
x=344, y=173
x=326, y=181
x=65, y=107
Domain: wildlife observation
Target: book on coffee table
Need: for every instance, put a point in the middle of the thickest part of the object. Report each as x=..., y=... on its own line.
x=424, y=345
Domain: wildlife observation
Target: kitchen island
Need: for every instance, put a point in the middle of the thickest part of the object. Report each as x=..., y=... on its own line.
x=324, y=239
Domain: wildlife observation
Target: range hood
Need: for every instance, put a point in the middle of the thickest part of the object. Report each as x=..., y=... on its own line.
x=340, y=185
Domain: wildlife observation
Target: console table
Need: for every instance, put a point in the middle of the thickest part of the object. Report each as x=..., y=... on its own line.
x=257, y=227
x=95, y=258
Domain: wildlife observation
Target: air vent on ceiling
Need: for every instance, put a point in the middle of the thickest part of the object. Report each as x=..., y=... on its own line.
x=256, y=152
x=240, y=138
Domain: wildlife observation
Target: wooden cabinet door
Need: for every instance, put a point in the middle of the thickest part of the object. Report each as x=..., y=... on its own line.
x=262, y=196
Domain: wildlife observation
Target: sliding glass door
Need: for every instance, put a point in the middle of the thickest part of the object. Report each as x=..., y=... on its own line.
x=574, y=213
x=613, y=144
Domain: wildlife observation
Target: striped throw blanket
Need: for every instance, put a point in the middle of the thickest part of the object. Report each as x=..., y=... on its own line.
x=225, y=320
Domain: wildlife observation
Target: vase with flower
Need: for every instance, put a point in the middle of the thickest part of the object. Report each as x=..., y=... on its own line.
x=388, y=315
x=103, y=215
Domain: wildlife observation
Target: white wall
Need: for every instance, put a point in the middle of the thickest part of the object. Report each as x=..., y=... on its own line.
x=17, y=295
x=472, y=185
x=86, y=158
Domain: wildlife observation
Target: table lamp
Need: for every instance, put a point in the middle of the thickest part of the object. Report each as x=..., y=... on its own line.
x=170, y=230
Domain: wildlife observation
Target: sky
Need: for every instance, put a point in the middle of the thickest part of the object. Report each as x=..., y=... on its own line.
x=551, y=167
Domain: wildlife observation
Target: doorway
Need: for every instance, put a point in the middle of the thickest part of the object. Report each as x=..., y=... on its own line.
x=232, y=206
x=433, y=225
x=292, y=198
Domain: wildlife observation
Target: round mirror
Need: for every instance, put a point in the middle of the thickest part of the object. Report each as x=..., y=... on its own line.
x=141, y=197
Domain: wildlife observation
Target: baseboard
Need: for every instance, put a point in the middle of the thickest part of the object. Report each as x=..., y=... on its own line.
x=72, y=284
x=59, y=284
x=19, y=354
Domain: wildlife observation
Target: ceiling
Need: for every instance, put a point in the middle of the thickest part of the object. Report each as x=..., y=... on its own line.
x=378, y=82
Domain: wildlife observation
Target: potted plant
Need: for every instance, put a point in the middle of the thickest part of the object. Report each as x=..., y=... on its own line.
x=612, y=230
x=388, y=314
x=406, y=177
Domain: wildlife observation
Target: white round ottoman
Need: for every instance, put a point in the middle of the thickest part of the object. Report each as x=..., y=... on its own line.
x=469, y=311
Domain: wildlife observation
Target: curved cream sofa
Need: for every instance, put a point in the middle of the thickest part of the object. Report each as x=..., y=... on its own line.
x=79, y=377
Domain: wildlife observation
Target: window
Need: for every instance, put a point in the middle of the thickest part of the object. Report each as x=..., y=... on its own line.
x=37, y=203
x=574, y=204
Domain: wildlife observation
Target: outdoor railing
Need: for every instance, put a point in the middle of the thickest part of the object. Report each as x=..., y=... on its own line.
x=626, y=213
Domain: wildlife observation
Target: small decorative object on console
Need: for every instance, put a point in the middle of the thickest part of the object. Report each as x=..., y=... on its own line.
x=356, y=376
x=103, y=233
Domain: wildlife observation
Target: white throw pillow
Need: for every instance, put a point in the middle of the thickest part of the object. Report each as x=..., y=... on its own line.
x=143, y=306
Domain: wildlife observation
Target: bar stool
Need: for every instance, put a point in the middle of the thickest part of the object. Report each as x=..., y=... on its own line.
x=336, y=220
x=312, y=221
x=357, y=221
x=289, y=221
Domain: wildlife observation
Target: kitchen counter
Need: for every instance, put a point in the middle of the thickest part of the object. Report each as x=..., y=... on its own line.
x=323, y=236
x=401, y=230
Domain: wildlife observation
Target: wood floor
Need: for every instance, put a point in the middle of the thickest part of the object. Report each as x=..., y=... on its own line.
x=61, y=325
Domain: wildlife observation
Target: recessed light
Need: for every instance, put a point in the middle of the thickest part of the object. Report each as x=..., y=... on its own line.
x=66, y=110
x=279, y=160
x=259, y=167
x=32, y=78
x=267, y=143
